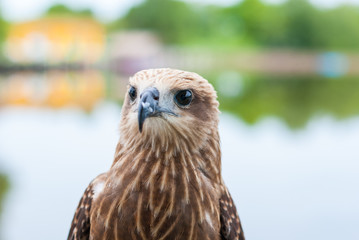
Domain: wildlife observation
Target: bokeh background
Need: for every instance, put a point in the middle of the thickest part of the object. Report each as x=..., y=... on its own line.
x=286, y=73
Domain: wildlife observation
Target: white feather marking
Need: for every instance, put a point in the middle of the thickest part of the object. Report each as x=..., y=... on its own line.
x=208, y=219
x=97, y=189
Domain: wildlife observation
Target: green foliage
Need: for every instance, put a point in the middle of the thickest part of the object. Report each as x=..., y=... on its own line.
x=3, y=32
x=257, y=21
x=292, y=24
x=173, y=20
x=3, y=29
x=4, y=187
x=295, y=100
x=300, y=24
x=338, y=28
x=63, y=10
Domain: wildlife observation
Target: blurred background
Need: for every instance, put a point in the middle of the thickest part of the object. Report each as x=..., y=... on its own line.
x=286, y=73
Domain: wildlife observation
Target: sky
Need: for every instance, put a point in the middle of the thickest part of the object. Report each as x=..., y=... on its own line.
x=107, y=10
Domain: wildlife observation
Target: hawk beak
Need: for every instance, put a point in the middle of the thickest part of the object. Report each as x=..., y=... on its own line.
x=148, y=106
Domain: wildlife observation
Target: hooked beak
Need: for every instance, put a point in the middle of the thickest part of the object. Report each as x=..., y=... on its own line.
x=148, y=106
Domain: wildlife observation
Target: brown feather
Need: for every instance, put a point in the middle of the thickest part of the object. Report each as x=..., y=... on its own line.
x=80, y=226
x=231, y=228
x=165, y=183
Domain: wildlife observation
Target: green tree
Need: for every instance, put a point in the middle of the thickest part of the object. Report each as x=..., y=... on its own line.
x=60, y=9
x=3, y=33
x=292, y=24
x=338, y=28
x=300, y=24
x=3, y=28
x=174, y=21
x=258, y=22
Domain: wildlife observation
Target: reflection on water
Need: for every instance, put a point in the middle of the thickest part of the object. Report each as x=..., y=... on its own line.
x=57, y=89
x=293, y=99
x=4, y=185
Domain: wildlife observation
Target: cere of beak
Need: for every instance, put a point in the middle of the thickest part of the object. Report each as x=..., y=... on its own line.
x=148, y=106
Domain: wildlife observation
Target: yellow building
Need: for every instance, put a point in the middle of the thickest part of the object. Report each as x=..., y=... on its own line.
x=56, y=40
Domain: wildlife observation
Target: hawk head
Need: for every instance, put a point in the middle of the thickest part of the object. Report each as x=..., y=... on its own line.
x=167, y=106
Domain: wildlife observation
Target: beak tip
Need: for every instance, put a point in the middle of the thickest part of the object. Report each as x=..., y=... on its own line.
x=140, y=125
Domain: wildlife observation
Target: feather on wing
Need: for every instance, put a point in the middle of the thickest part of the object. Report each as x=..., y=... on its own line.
x=80, y=226
x=231, y=228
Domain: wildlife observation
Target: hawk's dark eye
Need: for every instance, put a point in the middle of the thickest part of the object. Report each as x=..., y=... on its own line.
x=183, y=97
x=132, y=92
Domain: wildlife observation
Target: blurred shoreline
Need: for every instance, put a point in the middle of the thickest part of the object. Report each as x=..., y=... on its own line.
x=275, y=62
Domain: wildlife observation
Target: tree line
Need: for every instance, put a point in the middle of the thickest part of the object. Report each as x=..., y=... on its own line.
x=249, y=23
x=292, y=24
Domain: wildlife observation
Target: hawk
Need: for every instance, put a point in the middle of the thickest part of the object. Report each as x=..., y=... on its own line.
x=165, y=181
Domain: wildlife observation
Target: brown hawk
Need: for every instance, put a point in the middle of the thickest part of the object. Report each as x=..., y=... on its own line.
x=165, y=181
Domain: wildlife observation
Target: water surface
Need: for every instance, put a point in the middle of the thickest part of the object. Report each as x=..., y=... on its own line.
x=287, y=185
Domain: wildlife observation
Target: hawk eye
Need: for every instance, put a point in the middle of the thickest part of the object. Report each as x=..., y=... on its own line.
x=183, y=98
x=132, y=93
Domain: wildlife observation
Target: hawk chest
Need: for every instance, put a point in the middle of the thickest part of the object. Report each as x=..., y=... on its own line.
x=164, y=207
